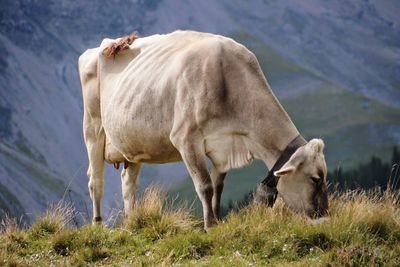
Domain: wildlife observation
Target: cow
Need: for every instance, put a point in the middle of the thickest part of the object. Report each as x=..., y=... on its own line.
x=191, y=96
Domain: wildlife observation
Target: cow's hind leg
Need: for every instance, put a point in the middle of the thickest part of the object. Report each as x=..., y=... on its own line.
x=129, y=177
x=96, y=175
x=95, y=142
x=218, y=185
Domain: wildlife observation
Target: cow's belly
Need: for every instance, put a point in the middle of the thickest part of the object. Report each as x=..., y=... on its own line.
x=151, y=150
x=140, y=153
x=136, y=147
x=139, y=138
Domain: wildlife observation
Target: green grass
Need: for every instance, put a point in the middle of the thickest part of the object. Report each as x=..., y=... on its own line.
x=363, y=230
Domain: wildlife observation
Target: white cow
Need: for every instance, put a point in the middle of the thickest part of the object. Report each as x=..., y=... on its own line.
x=188, y=96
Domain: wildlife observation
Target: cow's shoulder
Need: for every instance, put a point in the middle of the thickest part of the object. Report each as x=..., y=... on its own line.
x=199, y=45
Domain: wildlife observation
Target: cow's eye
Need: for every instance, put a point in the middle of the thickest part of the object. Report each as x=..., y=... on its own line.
x=316, y=180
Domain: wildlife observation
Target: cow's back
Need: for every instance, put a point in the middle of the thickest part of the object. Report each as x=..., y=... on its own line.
x=166, y=82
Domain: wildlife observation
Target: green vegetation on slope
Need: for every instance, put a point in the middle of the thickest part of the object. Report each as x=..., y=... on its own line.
x=350, y=124
x=370, y=174
x=363, y=230
x=330, y=108
x=32, y=176
x=9, y=204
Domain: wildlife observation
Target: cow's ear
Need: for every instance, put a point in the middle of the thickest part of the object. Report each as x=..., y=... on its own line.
x=284, y=171
x=317, y=145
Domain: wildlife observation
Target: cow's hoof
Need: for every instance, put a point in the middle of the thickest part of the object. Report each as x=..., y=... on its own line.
x=97, y=221
x=207, y=229
x=209, y=226
x=265, y=195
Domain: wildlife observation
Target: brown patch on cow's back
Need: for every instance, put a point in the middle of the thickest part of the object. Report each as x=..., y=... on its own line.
x=122, y=44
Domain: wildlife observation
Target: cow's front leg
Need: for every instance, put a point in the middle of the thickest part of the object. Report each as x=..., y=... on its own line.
x=218, y=185
x=129, y=177
x=193, y=155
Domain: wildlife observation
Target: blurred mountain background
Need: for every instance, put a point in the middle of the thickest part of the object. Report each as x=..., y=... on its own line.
x=334, y=65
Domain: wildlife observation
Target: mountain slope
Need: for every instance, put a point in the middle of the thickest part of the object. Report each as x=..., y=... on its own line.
x=321, y=108
x=355, y=45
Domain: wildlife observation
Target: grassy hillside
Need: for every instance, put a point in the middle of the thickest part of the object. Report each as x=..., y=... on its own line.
x=362, y=230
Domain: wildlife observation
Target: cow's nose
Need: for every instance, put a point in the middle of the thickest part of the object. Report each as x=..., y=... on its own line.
x=319, y=212
x=265, y=195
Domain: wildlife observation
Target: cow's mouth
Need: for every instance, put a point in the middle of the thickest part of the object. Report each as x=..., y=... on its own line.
x=319, y=213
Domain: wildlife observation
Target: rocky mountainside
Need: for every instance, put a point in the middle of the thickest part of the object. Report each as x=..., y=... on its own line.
x=334, y=65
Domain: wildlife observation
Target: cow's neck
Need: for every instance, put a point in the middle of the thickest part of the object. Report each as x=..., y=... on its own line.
x=275, y=130
x=274, y=152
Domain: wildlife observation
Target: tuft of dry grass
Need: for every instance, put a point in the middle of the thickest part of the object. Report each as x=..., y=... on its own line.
x=160, y=217
x=8, y=225
x=56, y=218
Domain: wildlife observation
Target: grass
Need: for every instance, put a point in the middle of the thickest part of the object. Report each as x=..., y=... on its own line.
x=363, y=230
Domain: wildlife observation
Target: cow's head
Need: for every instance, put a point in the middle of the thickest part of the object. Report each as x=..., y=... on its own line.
x=302, y=182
